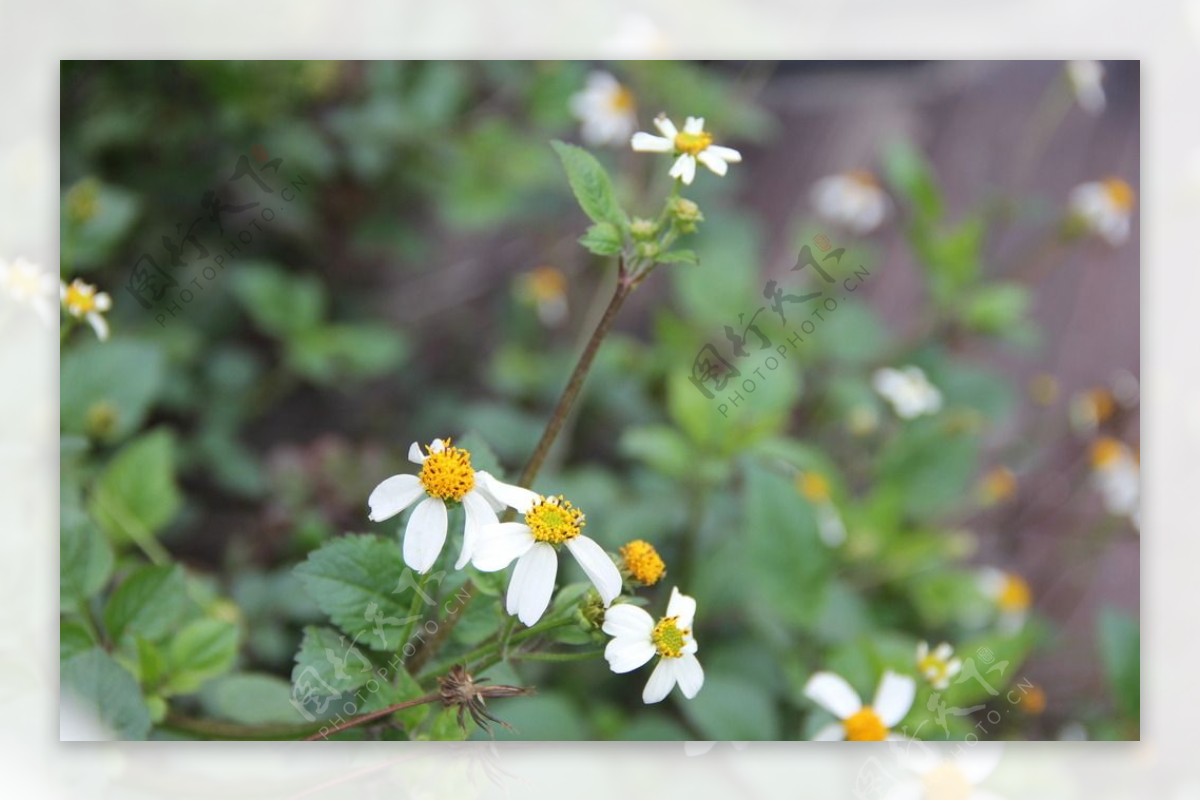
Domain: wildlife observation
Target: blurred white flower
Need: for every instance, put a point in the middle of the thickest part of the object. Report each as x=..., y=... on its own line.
x=27, y=284
x=1116, y=474
x=947, y=770
x=636, y=638
x=815, y=489
x=690, y=145
x=908, y=390
x=1087, y=81
x=606, y=110
x=446, y=475
x=549, y=522
x=81, y=300
x=852, y=200
x=1011, y=595
x=546, y=287
x=1105, y=208
x=939, y=665
x=636, y=36
x=892, y=701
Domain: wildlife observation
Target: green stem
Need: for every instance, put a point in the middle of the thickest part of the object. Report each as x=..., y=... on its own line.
x=227, y=730
x=324, y=733
x=490, y=653
x=570, y=656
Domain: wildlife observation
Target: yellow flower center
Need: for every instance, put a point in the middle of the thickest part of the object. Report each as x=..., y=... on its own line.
x=1120, y=194
x=448, y=474
x=998, y=485
x=865, y=725
x=547, y=283
x=1014, y=595
x=1105, y=452
x=621, y=100
x=946, y=781
x=643, y=562
x=1034, y=701
x=813, y=486
x=934, y=669
x=668, y=637
x=692, y=144
x=555, y=520
x=81, y=297
x=1102, y=404
x=863, y=178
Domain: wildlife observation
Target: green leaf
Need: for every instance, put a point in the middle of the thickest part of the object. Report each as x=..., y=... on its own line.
x=107, y=387
x=603, y=239
x=661, y=447
x=678, y=257
x=202, y=650
x=330, y=352
x=107, y=691
x=996, y=308
x=251, y=698
x=151, y=663
x=340, y=664
x=931, y=464
x=73, y=638
x=354, y=579
x=911, y=176
x=85, y=558
x=148, y=603
x=89, y=243
x=731, y=708
x=282, y=304
x=591, y=185
x=1120, y=652
x=444, y=726
x=136, y=494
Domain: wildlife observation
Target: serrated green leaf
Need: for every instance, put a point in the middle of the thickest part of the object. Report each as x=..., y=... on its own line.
x=340, y=663
x=85, y=558
x=251, y=698
x=603, y=239
x=591, y=185
x=107, y=387
x=98, y=685
x=202, y=650
x=354, y=580
x=148, y=603
x=73, y=638
x=136, y=495
x=678, y=257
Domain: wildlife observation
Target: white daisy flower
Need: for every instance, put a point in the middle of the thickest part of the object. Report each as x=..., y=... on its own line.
x=908, y=390
x=446, y=475
x=26, y=283
x=946, y=770
x=1118, y=477
x=605, y=109
x=1087, y=81
x=1105, y=208
x=636, y=638
x=690, y=145
x=892, y=701
x=939, y=665
x=81, y=299
x=549, y=522
x=852, y=200
x=1011, y=595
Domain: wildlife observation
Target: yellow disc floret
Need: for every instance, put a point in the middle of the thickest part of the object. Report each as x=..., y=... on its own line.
x=692, y=143
x=668, y=638
x=81, y=298
x=813, y=486
x=865, y=725
x=1015, y=594
x=447, y=474
x=1120, y=194
x=934, y=668
x=555, y=520
x=643, y=562
x=1105, y=452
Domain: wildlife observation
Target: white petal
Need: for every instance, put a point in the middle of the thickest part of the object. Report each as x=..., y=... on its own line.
x=482, y=487
x=978, y=761
x=498, y=545
x=415, y=454
x=684, y=168
x=894, y=698
x=922, y=650
x=103, y=301
x=834, y=731
x=478, y=515
x=425, y=534
x=99, y=325
x=833, y=693
x=625, y=654
x=943, y=651
x=693, y=125
x=649, y=143
x=711, y=161
x=724, y=153
x=662, y=680
x=393, y=496
x=689, y=674
x=666, y=128
x=533, y=583
x=518, y=498
x=628, y=621
x=683, y=607
x=598, y=565
x=437, y=446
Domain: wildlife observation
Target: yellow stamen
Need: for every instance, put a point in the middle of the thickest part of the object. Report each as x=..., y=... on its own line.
x=865, y=725
x=668, y=638
x=934, y=668
x=643, y=562
x=1106, y=451
x=1015, y=595
x=448, y=474
x=621, y=100
x=546, y=283
x=998, y=485
x=1120, y=194
x=81, y=297
x=692, y=144
x=1034, y=700
x=813, y=486
x=555, y=520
